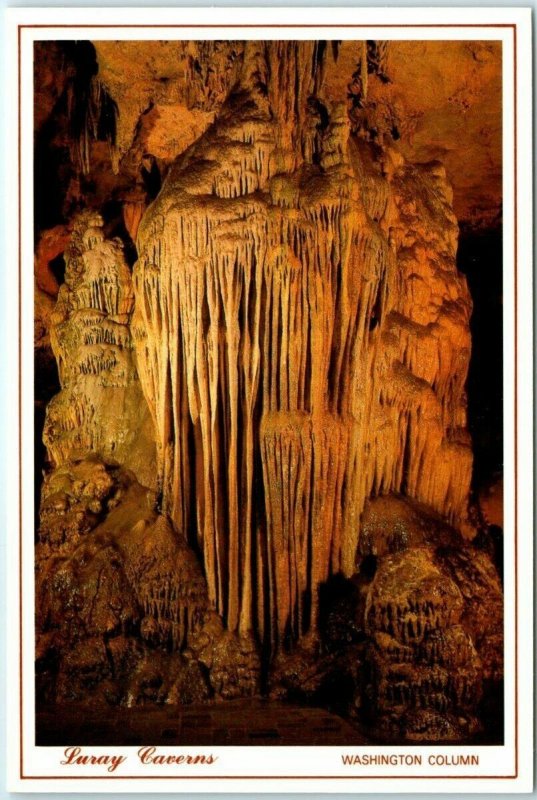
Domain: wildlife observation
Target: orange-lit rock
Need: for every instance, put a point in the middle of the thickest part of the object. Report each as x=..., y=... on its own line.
x=133, y=211
x=442, y=99
x=167, y=92
x=51, y=244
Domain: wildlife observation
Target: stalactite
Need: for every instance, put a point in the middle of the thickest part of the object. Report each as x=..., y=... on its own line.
x=92, y=113
x=302, y=334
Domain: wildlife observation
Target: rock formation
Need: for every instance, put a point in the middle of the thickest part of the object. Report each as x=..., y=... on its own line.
x=293, y=314
x=271, y=401
x=432, y=613
x=100, y=409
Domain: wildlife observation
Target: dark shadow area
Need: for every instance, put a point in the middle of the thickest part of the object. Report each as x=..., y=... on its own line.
x=47, y=384
x=57, y=267
x=52, y=173
x=151, y=176
x=479, y=257
x=339, y=612
x=114, y=226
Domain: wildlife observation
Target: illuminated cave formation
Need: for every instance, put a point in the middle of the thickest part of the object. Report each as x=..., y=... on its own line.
x=262, y=366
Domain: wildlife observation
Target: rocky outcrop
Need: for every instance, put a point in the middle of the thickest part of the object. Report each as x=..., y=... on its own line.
x=425, y=672
x=122, y=608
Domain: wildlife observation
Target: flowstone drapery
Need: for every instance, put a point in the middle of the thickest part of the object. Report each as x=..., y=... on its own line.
x=302, y=340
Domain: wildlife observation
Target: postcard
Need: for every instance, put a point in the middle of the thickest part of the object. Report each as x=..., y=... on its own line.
x=271, y=459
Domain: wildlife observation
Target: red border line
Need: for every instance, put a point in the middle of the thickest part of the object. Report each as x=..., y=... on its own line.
x=19, y=100
x=515, y=255
x=22, y=776
x=261, y=777
x=276, y=25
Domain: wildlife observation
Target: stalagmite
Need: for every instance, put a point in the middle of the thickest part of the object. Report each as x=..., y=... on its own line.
x=92, y=343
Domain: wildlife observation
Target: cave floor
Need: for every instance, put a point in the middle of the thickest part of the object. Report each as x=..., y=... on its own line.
x=235, y=722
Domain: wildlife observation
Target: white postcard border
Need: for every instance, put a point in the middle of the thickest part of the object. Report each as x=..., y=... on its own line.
x=318, y=768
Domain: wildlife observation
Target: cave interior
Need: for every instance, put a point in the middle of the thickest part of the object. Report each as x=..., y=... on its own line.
x=268, y=394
